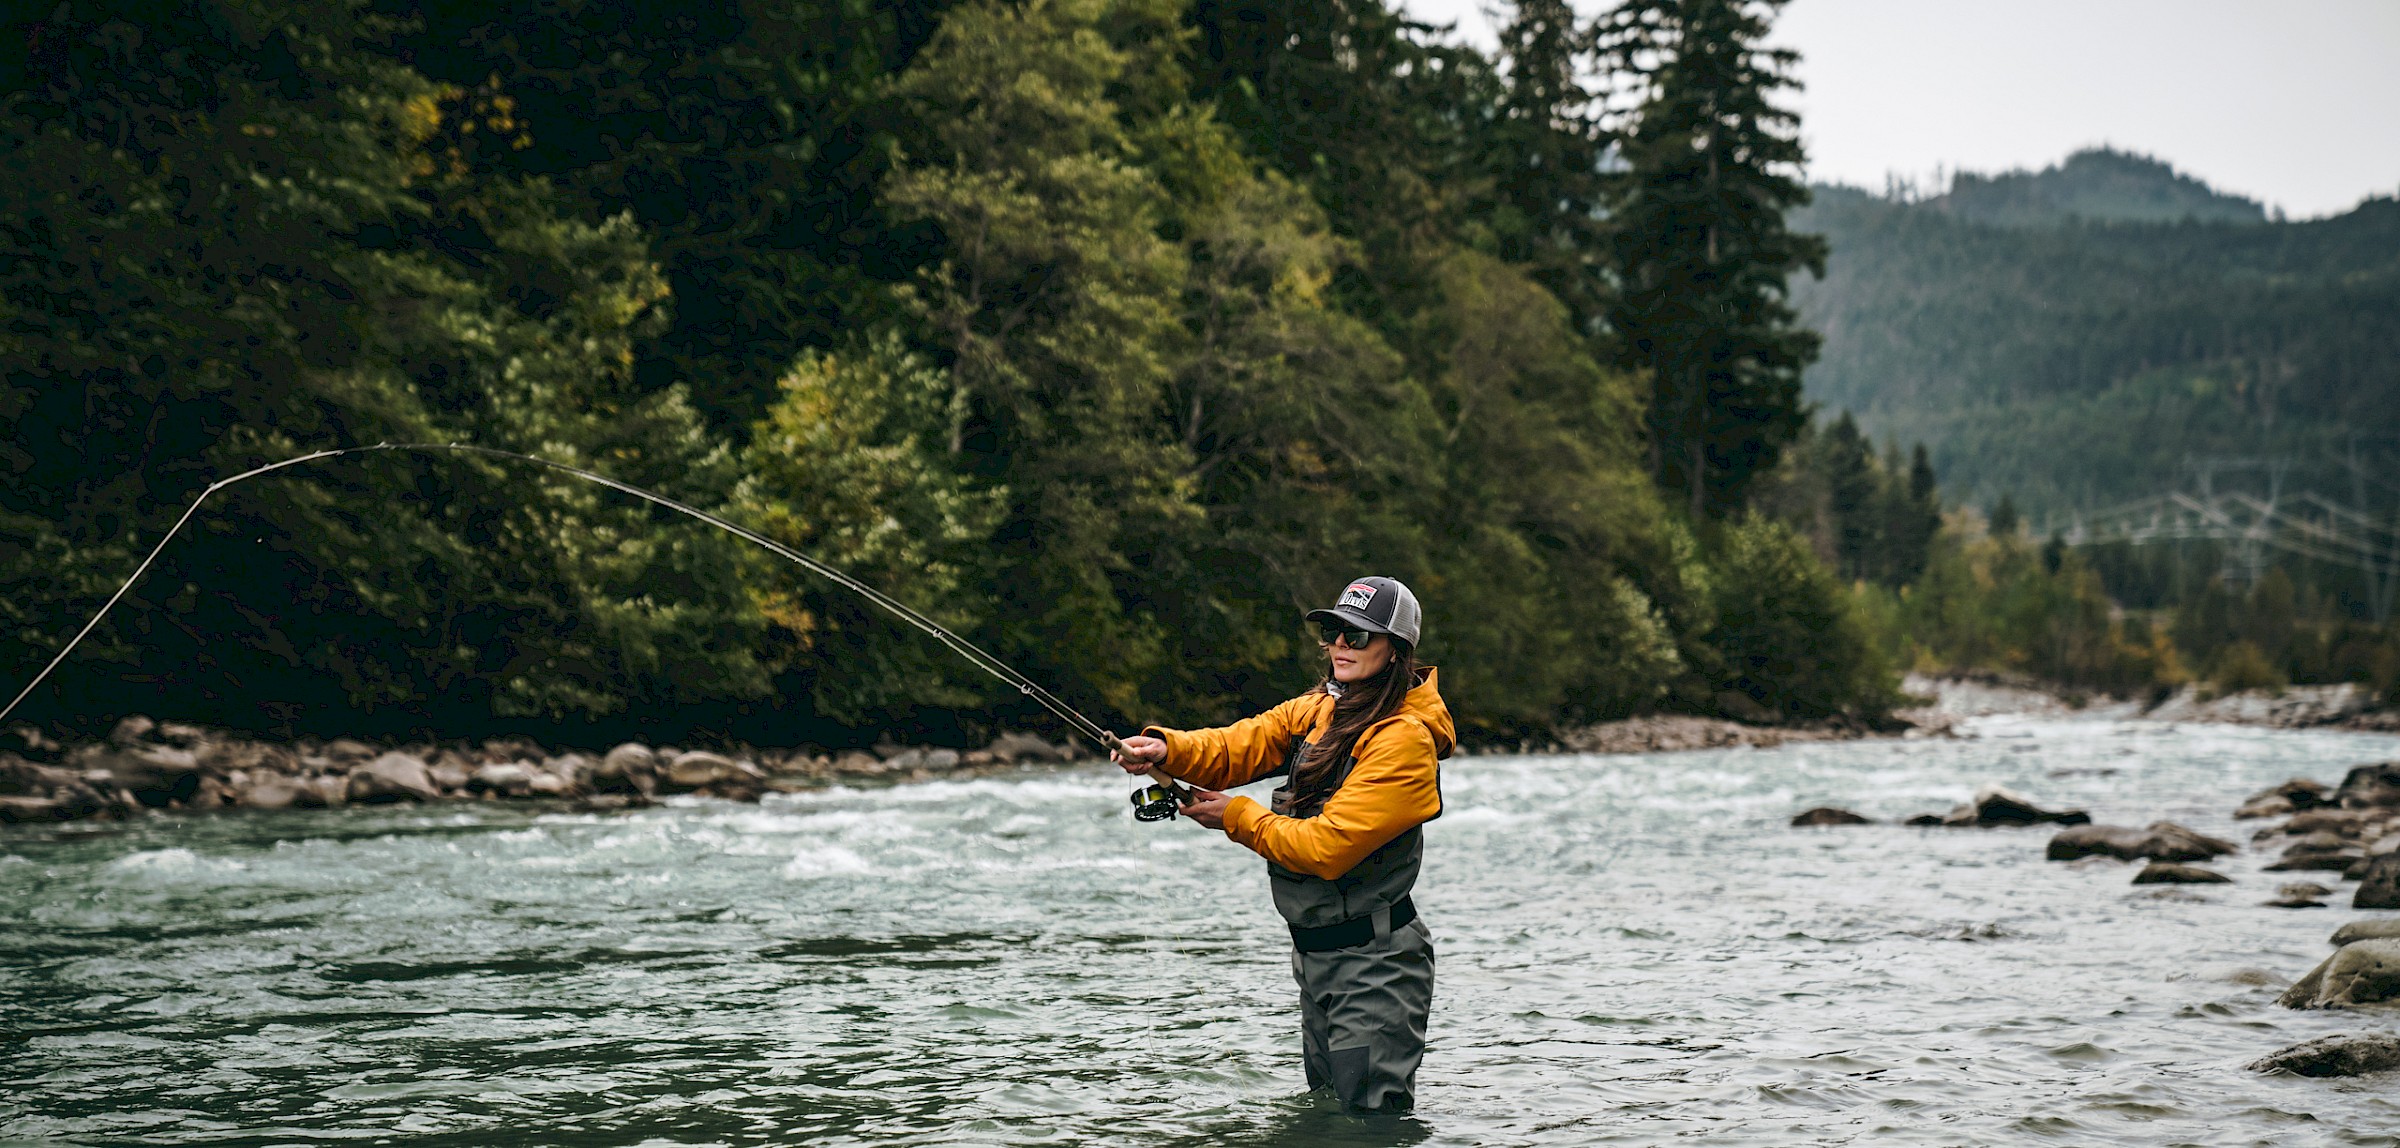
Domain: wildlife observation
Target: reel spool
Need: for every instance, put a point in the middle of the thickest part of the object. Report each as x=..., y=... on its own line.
x=1157, y=801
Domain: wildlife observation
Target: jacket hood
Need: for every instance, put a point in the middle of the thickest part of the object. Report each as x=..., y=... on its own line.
x=1424, y=703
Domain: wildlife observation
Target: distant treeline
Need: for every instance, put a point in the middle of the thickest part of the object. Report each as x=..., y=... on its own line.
x=1113, y=332
x=2073, y=338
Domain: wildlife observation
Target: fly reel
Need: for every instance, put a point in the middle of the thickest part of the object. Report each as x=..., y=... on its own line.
x=1158, y=801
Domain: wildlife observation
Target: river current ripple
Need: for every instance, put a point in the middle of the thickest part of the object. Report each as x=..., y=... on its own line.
x=1632, y=950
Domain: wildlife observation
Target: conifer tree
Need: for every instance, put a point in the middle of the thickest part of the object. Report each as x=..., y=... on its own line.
x=1546, y=151
x=1701, y=246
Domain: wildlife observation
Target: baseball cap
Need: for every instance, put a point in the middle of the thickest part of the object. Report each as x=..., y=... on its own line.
x=1376, y=603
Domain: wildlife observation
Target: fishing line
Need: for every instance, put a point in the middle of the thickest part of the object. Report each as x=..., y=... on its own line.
x=974, y=654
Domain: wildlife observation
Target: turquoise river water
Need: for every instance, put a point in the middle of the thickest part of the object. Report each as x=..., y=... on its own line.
x=1633, y=950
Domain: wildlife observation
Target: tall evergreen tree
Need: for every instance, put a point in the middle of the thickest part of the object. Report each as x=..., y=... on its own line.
x=1546, y=150
x=1701, y=246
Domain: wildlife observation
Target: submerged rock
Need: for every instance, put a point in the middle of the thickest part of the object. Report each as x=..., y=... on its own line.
x=2361, y=972
x=1828, y=815
x=2334, y=1056
x=2170, y=873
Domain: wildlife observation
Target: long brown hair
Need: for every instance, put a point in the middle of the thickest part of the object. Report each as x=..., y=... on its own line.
x=1360, y=704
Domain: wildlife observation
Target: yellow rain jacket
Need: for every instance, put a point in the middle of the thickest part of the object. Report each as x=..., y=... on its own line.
x=1394, y=787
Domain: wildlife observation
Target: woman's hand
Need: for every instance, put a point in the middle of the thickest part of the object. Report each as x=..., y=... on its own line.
x=1207, y=808
x=1139, y=753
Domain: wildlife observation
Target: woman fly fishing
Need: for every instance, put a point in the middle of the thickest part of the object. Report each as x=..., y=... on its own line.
x=1361, y=758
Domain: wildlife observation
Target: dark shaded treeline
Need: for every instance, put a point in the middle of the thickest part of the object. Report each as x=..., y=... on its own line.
x=1113, y=332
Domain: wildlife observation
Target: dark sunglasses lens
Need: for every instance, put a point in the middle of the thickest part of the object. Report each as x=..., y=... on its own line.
x=1355, y=639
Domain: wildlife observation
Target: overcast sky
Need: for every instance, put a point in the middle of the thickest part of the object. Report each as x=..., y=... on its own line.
x=2295, y=103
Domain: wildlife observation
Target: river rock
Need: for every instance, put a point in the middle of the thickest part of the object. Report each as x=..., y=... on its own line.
x=2161, y=841
x=2338, y=861
x=2371, y=787
x=2361, y=972
x=714, y=773
x=2302, y=889
x=347, y=751
x=1011, y=746
x=1828, y=815
x=21, y=810
x=156, y=775
x=1995, y=805
x=2334, y=1056
x=629, y=768
x=1925, y=820
x=391, y=777
x=2169, y=873
x=2368, y=930
x=856, y=763
x=503, y=778
x=273, y=793
x=450, y=771
x=130, y=731
x=2379, y=886
x=499, y=749
x=2290, y=797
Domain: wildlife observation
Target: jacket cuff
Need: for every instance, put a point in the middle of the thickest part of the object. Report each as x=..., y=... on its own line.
x=1245, y=820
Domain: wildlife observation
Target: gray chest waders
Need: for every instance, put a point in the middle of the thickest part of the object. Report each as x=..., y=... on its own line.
x=1364, y=964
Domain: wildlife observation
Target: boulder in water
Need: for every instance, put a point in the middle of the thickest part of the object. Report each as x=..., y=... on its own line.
x=1925, y=821
x=1828, y=815
x=2170, y=873
x=2371, y=787
x=2161, y=841
x=2386, y=927
x=2379, y=886
x=2361, y=972
x=391, y=777
x=2290, y=797
x=1995, y=805
x=2334, y=1056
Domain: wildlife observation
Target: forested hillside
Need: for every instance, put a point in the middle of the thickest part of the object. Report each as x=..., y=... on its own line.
x=1113, y=332
x=2071, y=337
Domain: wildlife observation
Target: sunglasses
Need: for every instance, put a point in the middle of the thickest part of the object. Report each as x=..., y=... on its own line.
x=1355, y=639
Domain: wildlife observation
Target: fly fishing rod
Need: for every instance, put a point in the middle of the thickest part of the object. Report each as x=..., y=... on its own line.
x=1156, y=803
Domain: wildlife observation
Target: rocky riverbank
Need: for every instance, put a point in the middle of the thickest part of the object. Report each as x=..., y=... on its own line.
x=170, y=766
x=2350, y=705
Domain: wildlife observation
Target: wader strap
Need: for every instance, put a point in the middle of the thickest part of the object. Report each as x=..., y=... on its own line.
x=1357, y=930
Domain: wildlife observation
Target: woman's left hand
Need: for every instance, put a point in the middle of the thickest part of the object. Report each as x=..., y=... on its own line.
x=1207, y=808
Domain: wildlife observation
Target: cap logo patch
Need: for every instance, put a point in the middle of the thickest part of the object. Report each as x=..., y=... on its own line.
x=1356, y=597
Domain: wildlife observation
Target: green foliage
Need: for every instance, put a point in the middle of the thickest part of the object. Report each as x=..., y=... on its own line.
x=849, y=468
x=1789, y=635
x=1114, y=333
x=1702, y=250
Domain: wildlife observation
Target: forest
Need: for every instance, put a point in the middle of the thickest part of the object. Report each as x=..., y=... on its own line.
x=1114, y=333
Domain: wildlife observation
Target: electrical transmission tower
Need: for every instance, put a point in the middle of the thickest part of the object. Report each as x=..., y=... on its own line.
x=2307, y=525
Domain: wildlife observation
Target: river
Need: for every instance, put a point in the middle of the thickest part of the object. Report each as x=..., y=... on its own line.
x=1632, y=950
